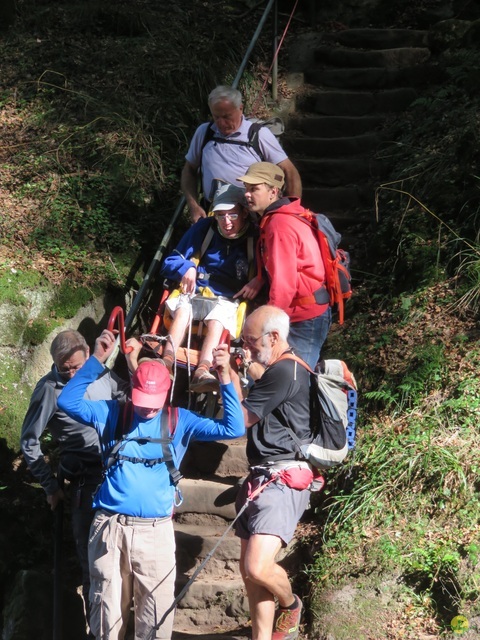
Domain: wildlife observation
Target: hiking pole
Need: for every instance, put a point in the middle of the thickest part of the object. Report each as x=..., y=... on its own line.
x=58, y=567
x=147, y=278
x=251, y=497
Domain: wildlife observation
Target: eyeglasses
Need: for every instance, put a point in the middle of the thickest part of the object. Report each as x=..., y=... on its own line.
x=251, y=342
x=222, y=216
x=65, y=372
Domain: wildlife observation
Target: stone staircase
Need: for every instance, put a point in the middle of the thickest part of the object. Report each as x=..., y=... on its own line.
x=215, y=606
x=350, y=85
x=216, y=602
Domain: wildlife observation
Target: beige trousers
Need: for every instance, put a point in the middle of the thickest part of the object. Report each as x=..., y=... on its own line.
x=131, y=559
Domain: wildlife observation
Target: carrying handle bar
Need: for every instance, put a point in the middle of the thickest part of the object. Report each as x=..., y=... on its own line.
x=118, y=313
x=225, y=337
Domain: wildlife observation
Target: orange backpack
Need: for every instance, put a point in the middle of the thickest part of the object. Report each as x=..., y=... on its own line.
x=338, y=281
x=337, y=286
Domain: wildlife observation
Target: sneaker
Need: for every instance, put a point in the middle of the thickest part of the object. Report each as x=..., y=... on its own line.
x=287, y=622
x=203, y=382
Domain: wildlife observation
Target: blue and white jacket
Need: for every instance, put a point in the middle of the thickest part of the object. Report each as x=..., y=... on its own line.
x=224, y=267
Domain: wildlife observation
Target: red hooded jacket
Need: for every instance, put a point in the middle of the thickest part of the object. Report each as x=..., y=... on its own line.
x=290, y=253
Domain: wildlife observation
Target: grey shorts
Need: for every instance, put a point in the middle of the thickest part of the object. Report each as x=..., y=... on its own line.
x=275, y=511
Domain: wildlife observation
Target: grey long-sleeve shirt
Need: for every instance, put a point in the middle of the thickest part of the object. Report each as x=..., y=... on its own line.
x=71, y=436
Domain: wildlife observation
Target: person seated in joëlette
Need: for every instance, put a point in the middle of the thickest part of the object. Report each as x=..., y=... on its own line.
x=215, y=257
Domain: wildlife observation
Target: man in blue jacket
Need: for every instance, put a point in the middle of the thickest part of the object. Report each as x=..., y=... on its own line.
x=132, y=548
x=215, y=258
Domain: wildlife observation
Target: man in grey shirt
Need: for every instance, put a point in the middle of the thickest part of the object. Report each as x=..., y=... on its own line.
x=222, y=148
x=80, y=454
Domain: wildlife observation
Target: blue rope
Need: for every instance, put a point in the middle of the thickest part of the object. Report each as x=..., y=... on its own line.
x=352, y=417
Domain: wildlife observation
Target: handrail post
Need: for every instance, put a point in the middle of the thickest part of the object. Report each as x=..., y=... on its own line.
x=275, y=57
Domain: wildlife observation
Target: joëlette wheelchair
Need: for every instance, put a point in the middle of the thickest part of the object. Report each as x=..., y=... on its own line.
x=187, y=354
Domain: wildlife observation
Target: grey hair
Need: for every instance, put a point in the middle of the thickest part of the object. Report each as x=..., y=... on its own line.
x=66, y=343
x=222, y=92
x=277, y=320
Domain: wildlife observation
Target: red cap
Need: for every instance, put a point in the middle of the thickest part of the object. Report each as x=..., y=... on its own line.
x=151, y=383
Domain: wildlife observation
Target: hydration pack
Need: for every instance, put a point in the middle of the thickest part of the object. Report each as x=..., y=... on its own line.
x=168, y=424
x=333, y=413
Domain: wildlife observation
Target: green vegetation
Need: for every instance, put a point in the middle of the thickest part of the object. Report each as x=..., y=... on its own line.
x=15, y=397
x=97, y=181
x=90, y=166
x=14, y=283
x=89, y=169
x=407, y=504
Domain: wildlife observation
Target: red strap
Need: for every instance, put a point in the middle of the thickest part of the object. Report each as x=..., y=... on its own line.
x=292, y=356
x=253, y=494
x=172, y=419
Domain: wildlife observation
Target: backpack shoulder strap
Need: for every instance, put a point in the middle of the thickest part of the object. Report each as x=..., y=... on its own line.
x=254, y=139
x=209, y=135
x=327, y=239
x=124, y=420
x=121, y=429
x=207, y=240
x=197, y=256
x=168, y=423
x=251, y=256
x=292, y=356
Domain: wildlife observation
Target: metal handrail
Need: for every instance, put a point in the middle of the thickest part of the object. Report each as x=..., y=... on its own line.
x=253, y=42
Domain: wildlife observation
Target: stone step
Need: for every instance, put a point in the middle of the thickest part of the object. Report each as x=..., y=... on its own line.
x=197, y=541
x=375, y=78
x=336, y=172
x=208, y=496
x=216, y=603
x=222, y=620
x=191, y=630
x=208, y=591
x=301, y=145
x=223, y=458
x=333, y=126
x=211, y=605
x=378, y=38
x=340, y=203
x=385, y=58
x=356, y=103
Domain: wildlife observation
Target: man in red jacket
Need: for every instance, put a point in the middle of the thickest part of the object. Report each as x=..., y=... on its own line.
x=290, y=253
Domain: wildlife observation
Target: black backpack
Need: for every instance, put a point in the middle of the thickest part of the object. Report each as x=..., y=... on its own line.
x=275, y=125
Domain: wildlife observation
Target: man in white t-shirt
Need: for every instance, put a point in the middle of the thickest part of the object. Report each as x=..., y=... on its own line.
x=222, y=149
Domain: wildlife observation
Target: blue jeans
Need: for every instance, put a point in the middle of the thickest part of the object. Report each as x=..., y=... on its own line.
x=307, y=337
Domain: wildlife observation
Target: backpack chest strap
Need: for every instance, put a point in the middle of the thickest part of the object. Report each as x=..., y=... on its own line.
x=168, y=423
